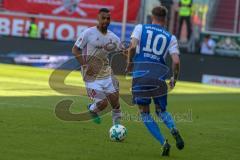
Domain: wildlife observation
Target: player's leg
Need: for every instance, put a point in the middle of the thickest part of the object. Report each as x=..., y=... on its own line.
x=111, y=88
x=160, y=108
x=161, y=104
x=147, y=119
x=150, y=123
x=100, y=102
x=153, y=128
x=98, y=105
x=113, y=99
x=95, y=108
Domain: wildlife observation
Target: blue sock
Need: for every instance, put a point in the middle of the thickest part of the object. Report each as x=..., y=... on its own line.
x=152, y=127
x=167, y=119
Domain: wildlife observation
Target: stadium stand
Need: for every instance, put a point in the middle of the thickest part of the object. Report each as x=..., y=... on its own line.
x=224, y=15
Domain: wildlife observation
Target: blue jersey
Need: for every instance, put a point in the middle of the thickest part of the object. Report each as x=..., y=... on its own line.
x=150, y=69
x=154, y=44
x=152, y=50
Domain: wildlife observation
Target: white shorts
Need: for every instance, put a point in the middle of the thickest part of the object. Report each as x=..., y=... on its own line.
x=99, y=89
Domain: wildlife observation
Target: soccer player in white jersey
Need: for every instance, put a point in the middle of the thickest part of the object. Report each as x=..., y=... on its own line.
x=92, y=49
x=150, y=44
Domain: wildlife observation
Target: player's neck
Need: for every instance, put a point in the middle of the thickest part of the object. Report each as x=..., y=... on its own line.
x=161, y=24
x=102, y=30
x=158, y=23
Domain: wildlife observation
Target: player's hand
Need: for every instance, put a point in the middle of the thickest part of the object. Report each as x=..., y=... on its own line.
x=124, y=46
x=172, y=82
x=129, y=67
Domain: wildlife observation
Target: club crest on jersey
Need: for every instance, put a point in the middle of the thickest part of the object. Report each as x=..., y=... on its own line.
x=110, y=46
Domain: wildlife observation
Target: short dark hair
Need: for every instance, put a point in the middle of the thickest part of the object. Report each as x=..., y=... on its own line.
x=160, y=12
x=103, y=10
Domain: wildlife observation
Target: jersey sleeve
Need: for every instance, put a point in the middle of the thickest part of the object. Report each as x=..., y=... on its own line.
x=173, y=47
x=82, y=40
x=116, y=40
x=137, y=32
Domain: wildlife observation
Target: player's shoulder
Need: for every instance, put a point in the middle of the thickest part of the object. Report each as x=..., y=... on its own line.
x=139, y=26
x=89, y=30
x=112, y=34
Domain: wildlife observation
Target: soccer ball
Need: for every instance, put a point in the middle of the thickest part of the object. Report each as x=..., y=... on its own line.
x=117, y=133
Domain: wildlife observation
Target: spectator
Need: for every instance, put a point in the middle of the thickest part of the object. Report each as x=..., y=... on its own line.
x=33, y=29
x=208, y=45
x=185, y=15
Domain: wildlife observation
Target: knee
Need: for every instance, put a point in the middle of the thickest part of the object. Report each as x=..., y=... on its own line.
x=116, y=105
x=105, y=103
x=160, y=110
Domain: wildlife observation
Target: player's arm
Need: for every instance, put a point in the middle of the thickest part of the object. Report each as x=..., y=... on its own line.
x=175, y=66
x=174, y=52
x=135, y=37
x=131, y=54
x=78, y=46
x=77, y=52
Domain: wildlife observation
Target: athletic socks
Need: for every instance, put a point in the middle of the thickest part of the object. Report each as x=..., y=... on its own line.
x=167, y=119
x=152, y=127
x=116, y=113
x=92, y=107
x=116, y=116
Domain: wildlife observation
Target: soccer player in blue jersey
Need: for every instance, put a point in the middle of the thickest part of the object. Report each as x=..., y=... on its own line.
x=150, y=44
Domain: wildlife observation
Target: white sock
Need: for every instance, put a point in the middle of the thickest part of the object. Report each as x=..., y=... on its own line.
x=93, y=107
x=116, y=116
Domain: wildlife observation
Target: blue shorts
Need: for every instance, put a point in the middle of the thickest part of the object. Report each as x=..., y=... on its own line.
x=144, y=89
x=161, y=101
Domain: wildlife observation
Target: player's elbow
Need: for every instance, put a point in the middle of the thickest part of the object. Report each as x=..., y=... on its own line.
x=175, y=59
x=176, y=62
x=75, y=50
x=133, y=45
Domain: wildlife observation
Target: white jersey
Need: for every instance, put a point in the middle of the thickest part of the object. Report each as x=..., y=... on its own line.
x=96, y=47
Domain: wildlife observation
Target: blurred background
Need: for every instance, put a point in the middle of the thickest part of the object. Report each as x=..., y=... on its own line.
x=41, y=33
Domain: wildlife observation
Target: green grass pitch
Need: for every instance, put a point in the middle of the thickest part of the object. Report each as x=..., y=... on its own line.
x=207, y=116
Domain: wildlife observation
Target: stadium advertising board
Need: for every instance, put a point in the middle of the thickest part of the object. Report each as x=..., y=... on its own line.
x=74, y=8
x=53, y=28
x=221, y=81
